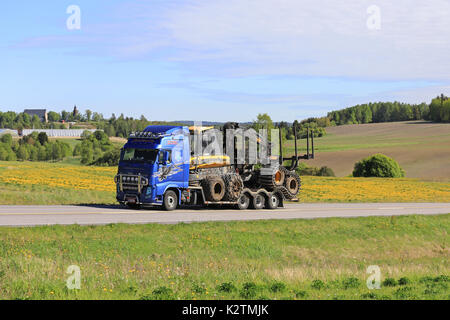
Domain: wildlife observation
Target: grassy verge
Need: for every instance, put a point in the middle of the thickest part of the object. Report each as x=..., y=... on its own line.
x=301, y=259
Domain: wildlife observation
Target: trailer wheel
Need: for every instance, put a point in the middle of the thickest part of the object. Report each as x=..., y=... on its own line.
x=258, y=201
x=243, y=202
x=170, y=200
x=272, y=202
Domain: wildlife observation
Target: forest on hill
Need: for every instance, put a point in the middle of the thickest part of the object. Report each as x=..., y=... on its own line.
x=437, y=111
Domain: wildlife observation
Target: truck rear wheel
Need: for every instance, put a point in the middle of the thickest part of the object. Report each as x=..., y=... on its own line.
x=170, y=200
x=258, y=201
x=272, y=202
x=243, y=202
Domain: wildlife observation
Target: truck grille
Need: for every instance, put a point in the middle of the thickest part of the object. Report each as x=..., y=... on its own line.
x=128, y=182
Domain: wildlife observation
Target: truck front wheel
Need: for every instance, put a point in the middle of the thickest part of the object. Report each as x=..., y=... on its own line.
x=170, y=200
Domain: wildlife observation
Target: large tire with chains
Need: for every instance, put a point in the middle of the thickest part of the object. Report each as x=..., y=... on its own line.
x=292, y=184
x=276, y=179
x=233, y=186
x=214, y=188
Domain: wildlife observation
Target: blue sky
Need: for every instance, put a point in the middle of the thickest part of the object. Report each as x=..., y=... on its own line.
x=221, y=60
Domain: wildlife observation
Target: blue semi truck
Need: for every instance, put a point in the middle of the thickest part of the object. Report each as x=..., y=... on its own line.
x=159, y=167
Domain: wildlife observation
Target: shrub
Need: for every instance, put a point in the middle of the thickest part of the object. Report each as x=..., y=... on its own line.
x=7, y=139
x=389, y=282
x=326, y=172
x=351, y=283
x=248, y=290
x=435, y=287
x=93, y=148
x=403, y=281
x=378, y=165
x=318, y=284
x=198, y=289
x=109, y=158
x=226, y=287
x=369, y=295
x=85, y=134
x=426, y=279
x=404, y=293
x=305, y=170
x=160, y=293
x=442, y=278
x=43, y=138
x=301, y=294
x=277, y=287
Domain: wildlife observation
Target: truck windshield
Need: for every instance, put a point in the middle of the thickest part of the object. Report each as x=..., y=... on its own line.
x=139, y=155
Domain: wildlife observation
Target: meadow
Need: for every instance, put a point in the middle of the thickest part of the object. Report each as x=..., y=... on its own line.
x=300, y=259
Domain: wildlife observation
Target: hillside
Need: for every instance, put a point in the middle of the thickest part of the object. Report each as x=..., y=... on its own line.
x=421, y=148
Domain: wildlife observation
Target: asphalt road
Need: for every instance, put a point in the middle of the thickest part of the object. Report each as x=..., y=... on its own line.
x=100, y=215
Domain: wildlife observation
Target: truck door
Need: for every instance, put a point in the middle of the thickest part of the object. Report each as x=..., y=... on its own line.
x=170, y=170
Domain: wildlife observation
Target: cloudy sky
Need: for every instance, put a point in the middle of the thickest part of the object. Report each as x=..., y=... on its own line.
x=222, y=59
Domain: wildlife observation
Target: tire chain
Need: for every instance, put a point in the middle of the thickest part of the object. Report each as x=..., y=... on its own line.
x=231, y=180
x=286, y=193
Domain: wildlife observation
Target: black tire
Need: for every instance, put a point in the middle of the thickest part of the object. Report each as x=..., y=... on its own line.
x=214, y=188
x=243, y=202
x=170, y=200
x=272, y=202
x=258, y=201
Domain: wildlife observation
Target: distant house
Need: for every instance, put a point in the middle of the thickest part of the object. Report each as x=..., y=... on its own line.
x=41, y=113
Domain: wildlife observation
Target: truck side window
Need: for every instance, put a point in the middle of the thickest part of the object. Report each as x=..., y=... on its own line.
x=177, y=156
x=161, y=157
x=165, y=157
x=168, y=156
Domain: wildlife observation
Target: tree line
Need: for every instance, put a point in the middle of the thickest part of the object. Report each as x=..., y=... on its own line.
x=438, y=111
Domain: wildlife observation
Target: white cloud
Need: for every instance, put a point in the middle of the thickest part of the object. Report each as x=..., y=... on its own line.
x=319, y=38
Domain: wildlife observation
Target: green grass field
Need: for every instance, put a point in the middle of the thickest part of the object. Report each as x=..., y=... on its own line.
x=301, y=259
